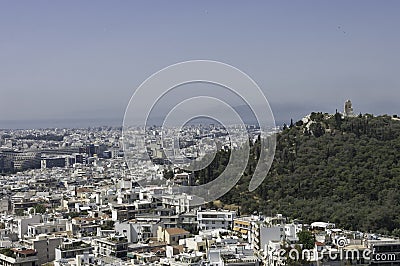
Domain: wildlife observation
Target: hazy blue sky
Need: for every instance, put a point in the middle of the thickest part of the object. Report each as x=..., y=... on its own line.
x=63, y=60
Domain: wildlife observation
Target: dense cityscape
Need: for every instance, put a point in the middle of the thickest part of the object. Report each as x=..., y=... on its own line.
x=199, y=133
x=69, y=198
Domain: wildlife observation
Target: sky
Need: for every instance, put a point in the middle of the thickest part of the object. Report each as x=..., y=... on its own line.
x=68, y=61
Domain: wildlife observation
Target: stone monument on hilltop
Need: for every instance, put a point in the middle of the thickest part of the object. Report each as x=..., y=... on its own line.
x=348, y=109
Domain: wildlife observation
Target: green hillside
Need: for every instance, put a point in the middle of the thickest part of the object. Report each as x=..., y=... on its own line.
x=329, y=168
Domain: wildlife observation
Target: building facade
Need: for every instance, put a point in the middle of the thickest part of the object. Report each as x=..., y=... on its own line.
x=215, y=219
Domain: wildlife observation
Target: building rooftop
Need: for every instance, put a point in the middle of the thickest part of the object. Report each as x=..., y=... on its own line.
x=176, y=231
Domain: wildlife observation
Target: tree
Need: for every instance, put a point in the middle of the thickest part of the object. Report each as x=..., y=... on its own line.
x=291, y=123
x=38, y=208
x=338, y=120
x=349, y=176
x=168, y=174
x=70, y=215
x=317, y=130
x=306, y=238
x=19, y=212
x=107, y=225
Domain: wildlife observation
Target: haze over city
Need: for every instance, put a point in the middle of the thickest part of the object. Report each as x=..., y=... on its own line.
x=74, y=64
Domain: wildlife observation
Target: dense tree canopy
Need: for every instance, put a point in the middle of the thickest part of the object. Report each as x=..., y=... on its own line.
x=329, y=168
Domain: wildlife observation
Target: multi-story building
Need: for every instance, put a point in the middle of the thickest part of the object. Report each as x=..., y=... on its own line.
x=83, y=225
x=23, y=223
x=47, y=163
x=128, y=196
x=25, y=160
x=2, y=160
x=188, y=221
x=5, y=205
x=128, y=230
x=291, y=231
x=181, y=202
x=22, y=206
x=85, y=259
x=18, y=257
x=384, y=252
x=135, y=231
x=233, y=255
x=277, y=220
x=171, y=235
x=183, y=179
x=72, y=247
x=271, y=254
x=113, y=246
x=45, y=228
x=45, y=247
x=262, y=234
x=7, y=160
x=243, y=226
x=212, y=219
x=123, y=212
x=197, y=243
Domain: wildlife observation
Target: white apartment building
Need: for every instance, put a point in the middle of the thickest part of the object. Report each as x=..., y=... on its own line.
x=23, y=223
x=291, y=231
x=212, y=219
x=36, y=229
x=45, y=246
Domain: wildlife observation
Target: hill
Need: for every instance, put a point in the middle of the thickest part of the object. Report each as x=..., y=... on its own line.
x=329, y=168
